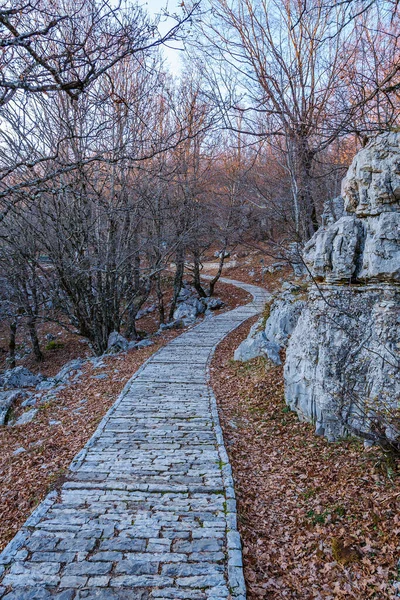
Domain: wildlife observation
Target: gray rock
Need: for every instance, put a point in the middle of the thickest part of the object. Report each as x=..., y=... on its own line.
x=364, y=244
x=341, y=360
x=146, y=311
x=294, y=256
x=46, y=384
x=271, y=351
x=256, y=344
x=185, y=293
x=278, y=266
x=7, y=399
x=117, y=343
x=253, y=345
x=69, y=369
x=333, y=210
x=26, y=417
x=342, y=365
x=20, y=377
x=178, y=324
x=333, y=252
x=144, y=344
x=269, y=341
x=213, y=303
x=189, y=310
x=372, y=183
x=284, y=314
x=18, y=451
x=380, y=258
x=30, y=401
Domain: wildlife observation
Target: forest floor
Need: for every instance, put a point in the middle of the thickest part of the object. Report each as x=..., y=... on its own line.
x=70, y=346
x=63, y=426
x=248, y=264
x=318, y=520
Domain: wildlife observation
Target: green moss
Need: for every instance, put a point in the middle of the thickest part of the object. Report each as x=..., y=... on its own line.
x=54, y=345
x=264, y=317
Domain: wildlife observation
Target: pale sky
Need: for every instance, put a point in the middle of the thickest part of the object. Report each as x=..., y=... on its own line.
x=155, y=7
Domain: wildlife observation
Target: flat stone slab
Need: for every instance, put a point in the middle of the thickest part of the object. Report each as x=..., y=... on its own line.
x=148, y=508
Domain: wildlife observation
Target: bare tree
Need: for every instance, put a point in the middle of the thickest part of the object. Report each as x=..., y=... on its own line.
x=286, y=67
x=66, y=45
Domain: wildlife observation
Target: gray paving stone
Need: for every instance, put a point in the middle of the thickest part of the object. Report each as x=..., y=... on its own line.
x=146, y=511
x=88, y=568
x=111, y=594
x=135, y=567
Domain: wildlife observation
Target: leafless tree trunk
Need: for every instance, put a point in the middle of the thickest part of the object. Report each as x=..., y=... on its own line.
x=12, y=343
x=31, y=324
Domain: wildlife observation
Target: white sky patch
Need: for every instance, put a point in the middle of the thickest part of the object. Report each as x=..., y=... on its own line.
x=171, y=52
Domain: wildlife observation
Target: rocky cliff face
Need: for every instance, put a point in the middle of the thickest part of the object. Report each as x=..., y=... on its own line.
x=342, y=367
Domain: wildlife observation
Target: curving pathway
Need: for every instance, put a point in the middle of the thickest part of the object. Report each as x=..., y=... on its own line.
x=148, y=510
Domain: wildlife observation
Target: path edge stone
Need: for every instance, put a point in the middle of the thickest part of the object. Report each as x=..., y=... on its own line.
x=235, y=573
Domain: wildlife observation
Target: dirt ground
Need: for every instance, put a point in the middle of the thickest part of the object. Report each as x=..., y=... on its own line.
x=247, y=264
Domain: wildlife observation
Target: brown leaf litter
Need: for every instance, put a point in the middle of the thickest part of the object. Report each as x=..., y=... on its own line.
x=318, y=520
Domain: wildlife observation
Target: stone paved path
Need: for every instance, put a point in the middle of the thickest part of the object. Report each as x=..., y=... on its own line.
x=148, y=509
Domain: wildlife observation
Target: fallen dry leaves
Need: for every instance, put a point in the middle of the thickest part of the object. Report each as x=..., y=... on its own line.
x=60, y=429
x=317, y=520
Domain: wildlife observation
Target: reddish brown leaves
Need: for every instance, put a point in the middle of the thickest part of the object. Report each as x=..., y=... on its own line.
x=317, y=520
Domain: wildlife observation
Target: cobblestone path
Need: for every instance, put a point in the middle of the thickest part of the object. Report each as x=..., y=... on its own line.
x=148, y=508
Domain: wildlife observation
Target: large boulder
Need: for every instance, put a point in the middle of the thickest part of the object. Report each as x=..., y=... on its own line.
x=341, y=360
x=189, y=310
x=380, y=259
x=116, y=343
x=256, y=344
x=268, y=339
x=372, y=183
x=363, y=245
x=332, y=253
x=342, y=369
x=283, y=317
x=20, y=377
x=252, y=346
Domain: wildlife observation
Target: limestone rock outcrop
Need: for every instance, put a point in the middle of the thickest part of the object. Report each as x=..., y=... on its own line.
x=342, y=368
x=256, y=344
x=269, y=339
x=284, y=315
x=364, y=244
x=19, y=377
